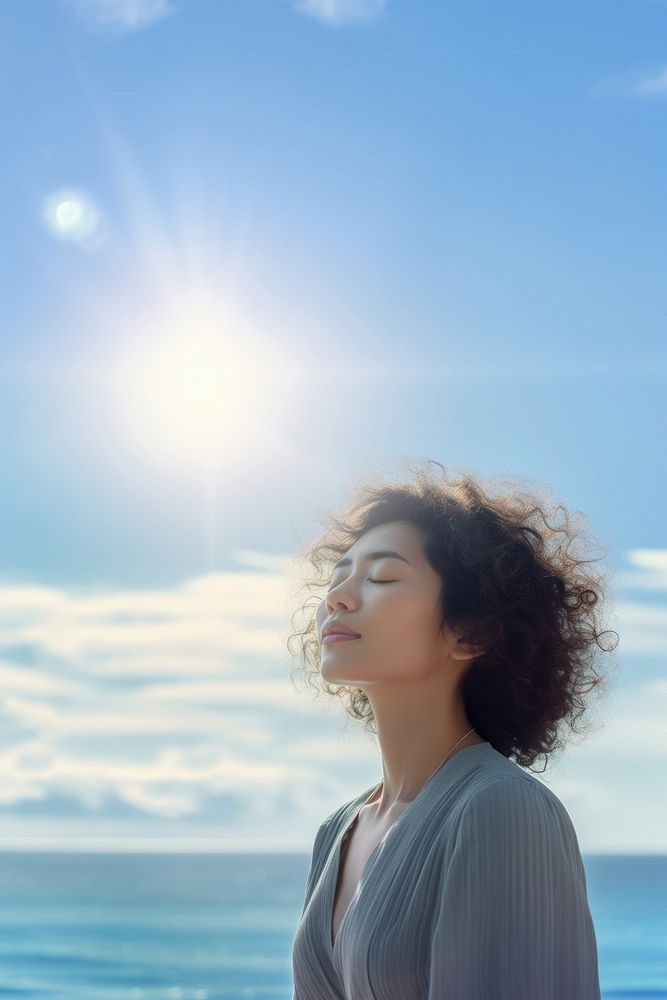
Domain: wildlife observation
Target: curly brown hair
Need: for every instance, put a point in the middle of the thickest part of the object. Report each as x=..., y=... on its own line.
x=514, y=584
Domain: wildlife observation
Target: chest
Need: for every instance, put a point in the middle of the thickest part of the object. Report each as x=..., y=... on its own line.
x=358, y=844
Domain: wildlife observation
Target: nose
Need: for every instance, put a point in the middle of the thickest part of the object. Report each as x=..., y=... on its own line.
x=334, y=598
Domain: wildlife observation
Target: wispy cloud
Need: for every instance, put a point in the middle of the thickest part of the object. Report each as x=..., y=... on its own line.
x=339, y=12
x=632, y=84
x=651, y=86
x=649, y=570
x=121, y=15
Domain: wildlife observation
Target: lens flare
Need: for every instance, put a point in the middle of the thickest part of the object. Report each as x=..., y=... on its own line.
x=72, y=215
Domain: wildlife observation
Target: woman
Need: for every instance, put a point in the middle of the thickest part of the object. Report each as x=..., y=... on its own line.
x=470, y=629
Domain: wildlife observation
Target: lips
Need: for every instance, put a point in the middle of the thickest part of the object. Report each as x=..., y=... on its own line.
x=337, y=628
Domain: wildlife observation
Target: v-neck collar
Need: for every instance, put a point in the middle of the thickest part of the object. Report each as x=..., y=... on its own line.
x=446, y=775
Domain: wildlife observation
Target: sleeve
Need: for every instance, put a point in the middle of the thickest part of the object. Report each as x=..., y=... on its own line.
x=513, y=921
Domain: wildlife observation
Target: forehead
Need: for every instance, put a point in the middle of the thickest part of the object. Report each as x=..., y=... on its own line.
x=394, y=536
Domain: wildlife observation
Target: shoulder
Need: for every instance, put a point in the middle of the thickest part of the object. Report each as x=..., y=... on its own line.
x=517, y=813
x=496, y=783
x=519, y=794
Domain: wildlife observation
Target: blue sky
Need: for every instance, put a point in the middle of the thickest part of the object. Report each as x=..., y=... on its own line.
x=255, y=251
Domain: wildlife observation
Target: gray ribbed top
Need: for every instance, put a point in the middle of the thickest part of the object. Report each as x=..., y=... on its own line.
x=477, y=892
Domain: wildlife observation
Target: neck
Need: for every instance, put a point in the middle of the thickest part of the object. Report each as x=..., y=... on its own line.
x=415, y=737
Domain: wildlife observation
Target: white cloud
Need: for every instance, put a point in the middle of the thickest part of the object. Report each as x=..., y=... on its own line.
x=122, y=15
x=338, y=12
x=157, y=701
x=650, y=572
x=642, y=629
x=115, y=716
x=624, y=762
x=123, y=708
x=214, y=617
x=18, y=680
x=37, y=769
x=242, y=693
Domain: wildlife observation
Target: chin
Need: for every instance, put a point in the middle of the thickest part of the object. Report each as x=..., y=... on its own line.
x=331, y=676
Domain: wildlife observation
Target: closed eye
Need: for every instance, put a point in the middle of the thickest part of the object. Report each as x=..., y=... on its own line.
x=370, y=580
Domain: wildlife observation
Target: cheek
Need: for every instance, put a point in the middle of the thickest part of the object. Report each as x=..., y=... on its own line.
x=406, y=624
x=398, y=618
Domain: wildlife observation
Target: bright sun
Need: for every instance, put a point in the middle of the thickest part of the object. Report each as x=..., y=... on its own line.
x=199, y=391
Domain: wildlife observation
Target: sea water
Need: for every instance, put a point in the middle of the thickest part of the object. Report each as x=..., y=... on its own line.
x=92, y=926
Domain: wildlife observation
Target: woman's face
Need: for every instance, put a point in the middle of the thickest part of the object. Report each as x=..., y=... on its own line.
x=392, y=603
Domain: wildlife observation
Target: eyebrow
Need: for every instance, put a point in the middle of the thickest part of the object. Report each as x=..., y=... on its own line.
x=373, y=556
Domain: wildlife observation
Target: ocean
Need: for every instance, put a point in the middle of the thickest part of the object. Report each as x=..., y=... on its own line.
x=93, y=926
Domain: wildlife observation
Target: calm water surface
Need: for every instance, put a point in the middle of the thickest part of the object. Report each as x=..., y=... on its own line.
x=214, y=926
